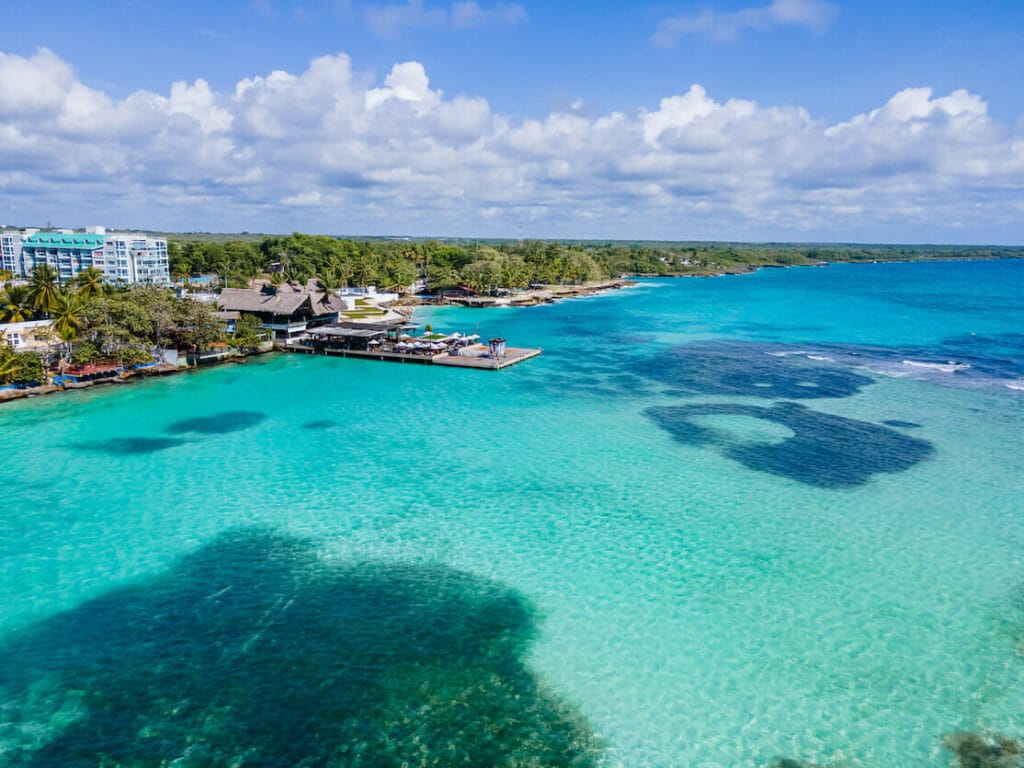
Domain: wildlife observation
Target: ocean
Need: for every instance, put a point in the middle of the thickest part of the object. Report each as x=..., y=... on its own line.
x=719, y=522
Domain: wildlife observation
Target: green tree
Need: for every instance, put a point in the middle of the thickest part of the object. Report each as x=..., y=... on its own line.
x=366, y=269
x=247, y=331
x=30, y=369
x=20, y=367
x=329, y=279
x=84, y=352
x=193, y=325
x=8, y=364
x=397, y=272
x=44, y=287
x=89, y=282
x=68, y=315
x=16, y=304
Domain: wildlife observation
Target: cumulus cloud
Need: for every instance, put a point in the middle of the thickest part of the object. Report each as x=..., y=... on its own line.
x=393, y=20
x=334, y=149
x=815, y=15
x=304, y=198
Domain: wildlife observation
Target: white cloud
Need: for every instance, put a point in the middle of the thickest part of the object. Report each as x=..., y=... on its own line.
x=32, y=85
x=304, y=198
x=407, y=82
x=392, y=20
x=330, y=149
x=815, y=15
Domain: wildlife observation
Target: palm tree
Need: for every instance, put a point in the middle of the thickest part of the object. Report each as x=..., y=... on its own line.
x=8, y=364
x=44, y=287
x=6, y=275
x=89, y=282
x=16, y=304
x=68, y=317
x=294, y=274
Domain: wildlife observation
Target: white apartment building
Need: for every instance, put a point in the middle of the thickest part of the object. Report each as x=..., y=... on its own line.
x=135, y=258
x=123, y=257
x=10, y=249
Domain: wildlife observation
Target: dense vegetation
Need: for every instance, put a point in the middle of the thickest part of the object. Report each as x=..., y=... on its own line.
x=24, y=368
x=487, y=266
x=98, y=322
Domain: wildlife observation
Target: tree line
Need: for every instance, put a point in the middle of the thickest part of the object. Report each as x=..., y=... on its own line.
x=487, y=266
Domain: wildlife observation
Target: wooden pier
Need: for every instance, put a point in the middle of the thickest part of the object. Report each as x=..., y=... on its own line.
x=476, y=356
x=512, y=356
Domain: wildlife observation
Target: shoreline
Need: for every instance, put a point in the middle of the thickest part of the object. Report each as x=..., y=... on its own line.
x=161, y=370
x=528, y=298
x=746, y=269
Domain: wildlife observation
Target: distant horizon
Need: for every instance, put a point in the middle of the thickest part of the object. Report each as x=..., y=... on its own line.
x=584, y=240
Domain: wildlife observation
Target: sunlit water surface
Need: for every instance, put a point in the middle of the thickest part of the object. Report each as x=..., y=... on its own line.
x=718, y=522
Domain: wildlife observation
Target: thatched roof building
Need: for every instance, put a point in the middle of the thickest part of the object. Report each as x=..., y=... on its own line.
x=289, y=309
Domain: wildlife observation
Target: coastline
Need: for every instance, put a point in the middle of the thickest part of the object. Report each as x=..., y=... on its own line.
x=527, y=298
x=406, y=307
x=125, y=377
x=746, y=269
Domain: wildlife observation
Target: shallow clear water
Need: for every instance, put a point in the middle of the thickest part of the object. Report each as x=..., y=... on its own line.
x=717, y=522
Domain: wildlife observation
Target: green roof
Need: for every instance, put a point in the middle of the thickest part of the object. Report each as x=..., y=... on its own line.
x=61, y=240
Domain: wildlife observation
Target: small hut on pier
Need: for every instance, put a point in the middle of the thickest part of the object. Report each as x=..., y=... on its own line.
x=497, y=347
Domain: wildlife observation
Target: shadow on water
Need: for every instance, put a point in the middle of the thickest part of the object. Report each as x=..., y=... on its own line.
x=221, y=423
x=320, y=424
x=901, y=424
x=254, y=651
x=758, y=370
x=129, y=446
x=824, y=450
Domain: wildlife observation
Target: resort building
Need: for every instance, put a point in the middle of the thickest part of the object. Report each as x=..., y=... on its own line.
x=288, y=310
x=135, y=258
x=67, y=253
x=10, y=249
x=27, y=336
x=122, y=257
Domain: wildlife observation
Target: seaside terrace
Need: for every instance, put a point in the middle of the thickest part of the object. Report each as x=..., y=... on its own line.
x=289, y=310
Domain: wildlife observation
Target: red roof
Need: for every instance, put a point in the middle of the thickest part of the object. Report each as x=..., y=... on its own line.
x=92, y=370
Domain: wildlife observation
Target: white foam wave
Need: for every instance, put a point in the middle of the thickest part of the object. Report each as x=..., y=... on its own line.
x=950, y=367
x=882, y=370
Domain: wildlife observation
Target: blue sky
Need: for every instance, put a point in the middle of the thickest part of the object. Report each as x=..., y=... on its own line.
x=748, y=120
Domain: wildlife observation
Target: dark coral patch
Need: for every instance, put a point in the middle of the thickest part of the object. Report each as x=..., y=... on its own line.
x=255, y=651
x=127, y=446
x=320, y=424
x=759, y=370
x=975, y=751
x=824, y=450
x=221, y=423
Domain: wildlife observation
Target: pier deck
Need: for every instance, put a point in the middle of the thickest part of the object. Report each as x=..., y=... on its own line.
x=477, y=357
x=512, y=356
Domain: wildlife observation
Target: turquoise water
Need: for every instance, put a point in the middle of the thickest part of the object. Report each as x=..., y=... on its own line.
x=718, y=522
